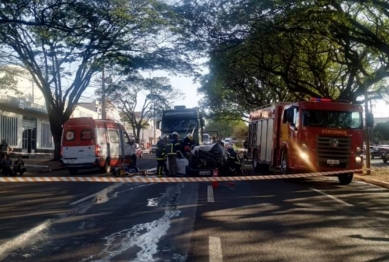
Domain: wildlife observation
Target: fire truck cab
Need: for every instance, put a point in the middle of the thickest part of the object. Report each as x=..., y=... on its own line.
x=309, y=136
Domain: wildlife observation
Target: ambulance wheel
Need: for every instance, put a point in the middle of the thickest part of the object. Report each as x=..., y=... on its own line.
x=284, y=166
x=345, y=179
x=107, y=167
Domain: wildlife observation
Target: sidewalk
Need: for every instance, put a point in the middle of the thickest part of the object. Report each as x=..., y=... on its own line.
x=379, y=177
x=41, y=165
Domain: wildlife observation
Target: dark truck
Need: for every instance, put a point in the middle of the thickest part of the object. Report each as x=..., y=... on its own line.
x=183, y=121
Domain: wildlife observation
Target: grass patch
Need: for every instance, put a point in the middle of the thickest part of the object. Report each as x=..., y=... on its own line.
x=378, y=174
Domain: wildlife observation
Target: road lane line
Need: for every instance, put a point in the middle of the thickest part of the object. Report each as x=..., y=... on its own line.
x=210, y=194
x=215, y=250
x=332, y=197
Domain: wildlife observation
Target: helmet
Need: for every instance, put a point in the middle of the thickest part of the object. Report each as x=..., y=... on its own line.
x=174, y=133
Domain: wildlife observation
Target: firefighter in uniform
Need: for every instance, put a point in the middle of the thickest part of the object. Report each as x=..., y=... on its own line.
x=161, y=155
x=173, y=147
x=187, y=144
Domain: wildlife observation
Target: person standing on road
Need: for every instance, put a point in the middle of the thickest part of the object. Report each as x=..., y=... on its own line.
x=133, y=153
x=161, y=155
x=187, y=144
x=173, y=147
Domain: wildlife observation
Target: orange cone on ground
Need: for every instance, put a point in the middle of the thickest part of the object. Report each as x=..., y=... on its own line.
x=215, y=183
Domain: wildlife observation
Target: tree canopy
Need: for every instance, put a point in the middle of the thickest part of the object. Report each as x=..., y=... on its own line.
x=267, y=51
x=150, y=95
x=63, y=43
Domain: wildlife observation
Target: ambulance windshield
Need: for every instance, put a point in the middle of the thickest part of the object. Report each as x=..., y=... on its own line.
x=332, y=119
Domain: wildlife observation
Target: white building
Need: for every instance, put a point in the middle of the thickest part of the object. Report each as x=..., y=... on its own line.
x=24, y=121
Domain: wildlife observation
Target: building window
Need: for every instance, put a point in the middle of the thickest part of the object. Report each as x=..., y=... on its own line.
x=9, y=130
x=46, y=137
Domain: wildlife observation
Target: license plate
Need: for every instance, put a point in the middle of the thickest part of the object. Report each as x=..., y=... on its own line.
x=204, y=173
x=332, y=162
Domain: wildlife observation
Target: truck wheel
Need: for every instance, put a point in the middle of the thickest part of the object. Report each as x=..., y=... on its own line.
x=107, y=167
x=284, y=166
x=384, y=159
x=345, y=179
x=73, y=171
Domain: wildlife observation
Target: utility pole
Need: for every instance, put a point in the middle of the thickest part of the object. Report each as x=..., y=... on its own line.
x=367, y=136
x=103, y=111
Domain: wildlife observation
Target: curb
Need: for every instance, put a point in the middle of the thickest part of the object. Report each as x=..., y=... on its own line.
x=46, y=170
x=372, y=181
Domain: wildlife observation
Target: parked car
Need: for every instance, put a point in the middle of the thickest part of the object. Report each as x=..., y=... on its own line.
x=153, y=149
x=384, y=151
x=375, y=152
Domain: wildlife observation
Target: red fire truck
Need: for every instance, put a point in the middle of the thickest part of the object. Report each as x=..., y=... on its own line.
x=308, y=136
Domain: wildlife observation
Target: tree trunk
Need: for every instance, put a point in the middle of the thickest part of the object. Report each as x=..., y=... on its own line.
x=56, y=131
x=138, y=134
x=57, y=119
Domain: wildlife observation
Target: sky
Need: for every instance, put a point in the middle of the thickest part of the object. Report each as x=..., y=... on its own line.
x=182, y=83
x=185, y=84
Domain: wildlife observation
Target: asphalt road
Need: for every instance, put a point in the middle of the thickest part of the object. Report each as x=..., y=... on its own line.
x=276, y=220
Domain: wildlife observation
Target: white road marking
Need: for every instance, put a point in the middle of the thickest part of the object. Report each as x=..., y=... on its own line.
x=19, y=241
x=103, y=194
x=210, y=194
x=215, y=250
x=333, y=198
x=104, y=191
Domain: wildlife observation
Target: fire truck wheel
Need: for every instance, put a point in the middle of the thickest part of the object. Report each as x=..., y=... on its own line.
x=345, y=179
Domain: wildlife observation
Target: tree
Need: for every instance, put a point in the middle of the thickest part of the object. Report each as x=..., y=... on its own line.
x=276, y=50
x=63, y=43
x=381, y=131
x=9, y=78
x=224, y=129
x=158, y=95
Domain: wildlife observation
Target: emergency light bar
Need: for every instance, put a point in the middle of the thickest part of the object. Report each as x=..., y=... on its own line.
x=313, y=99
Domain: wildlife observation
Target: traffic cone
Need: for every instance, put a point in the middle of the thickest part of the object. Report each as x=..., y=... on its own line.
x=215, y=183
